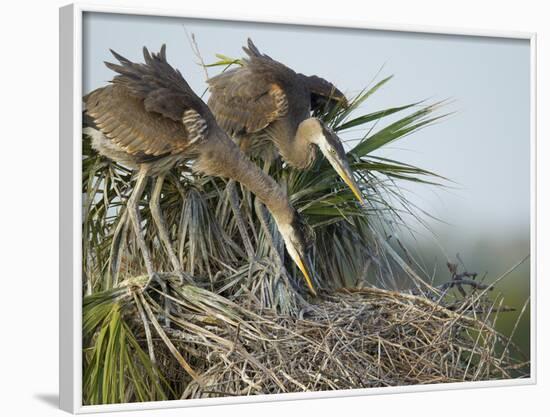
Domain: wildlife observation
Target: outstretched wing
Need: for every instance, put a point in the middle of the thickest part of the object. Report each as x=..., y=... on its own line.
x=246, y=100
x=149, y=110
x=322, y=93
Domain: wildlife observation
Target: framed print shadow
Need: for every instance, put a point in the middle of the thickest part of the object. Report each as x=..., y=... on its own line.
x=258, y=210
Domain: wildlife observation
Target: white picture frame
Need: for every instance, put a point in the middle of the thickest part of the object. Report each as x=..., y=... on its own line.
x=70, y=153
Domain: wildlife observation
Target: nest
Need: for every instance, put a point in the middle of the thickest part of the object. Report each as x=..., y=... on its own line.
x=348, y=339
x=254, y=331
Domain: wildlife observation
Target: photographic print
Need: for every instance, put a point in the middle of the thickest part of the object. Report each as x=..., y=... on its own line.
x=280, y=208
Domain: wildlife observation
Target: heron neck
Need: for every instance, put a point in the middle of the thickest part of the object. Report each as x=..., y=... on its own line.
x=221, y=157
x=301, y=153
x=296, y=145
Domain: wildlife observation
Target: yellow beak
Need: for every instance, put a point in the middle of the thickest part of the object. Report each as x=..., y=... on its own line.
x=307, y=276
x=348, y=179
x=353, y=186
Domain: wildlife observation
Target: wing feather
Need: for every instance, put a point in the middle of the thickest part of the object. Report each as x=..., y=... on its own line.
x=142, y=110
x=162, y=87
x=246, y=100
x=322, y=92
x=122, y=117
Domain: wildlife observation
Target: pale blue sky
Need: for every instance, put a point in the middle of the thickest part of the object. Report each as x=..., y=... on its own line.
x=484, y=146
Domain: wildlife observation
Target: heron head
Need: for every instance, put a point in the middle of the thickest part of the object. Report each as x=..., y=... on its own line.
x=331, y=146
x=298, y=238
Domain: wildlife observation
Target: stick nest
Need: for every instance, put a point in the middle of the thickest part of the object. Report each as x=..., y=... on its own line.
x=348, y=339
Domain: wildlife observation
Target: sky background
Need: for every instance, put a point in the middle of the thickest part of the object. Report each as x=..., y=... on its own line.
x=483, y=147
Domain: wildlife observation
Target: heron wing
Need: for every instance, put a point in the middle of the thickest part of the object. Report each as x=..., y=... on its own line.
x=246, y=100
x=123, y=118
x=322, y=92
x=161, y=87
x=149, y=109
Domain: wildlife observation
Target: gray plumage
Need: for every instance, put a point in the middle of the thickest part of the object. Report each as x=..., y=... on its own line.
x=264, y=102
x=150, y=119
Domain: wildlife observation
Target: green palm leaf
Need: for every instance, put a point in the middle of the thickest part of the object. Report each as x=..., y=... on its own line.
x=351, y=249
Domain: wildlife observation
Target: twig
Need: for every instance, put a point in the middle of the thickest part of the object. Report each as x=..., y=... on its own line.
x=195, y=48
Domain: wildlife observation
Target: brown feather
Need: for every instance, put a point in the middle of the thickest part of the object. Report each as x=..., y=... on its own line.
x=246, y=100
x=123, y=118
x=322, y=92
x=141, y=111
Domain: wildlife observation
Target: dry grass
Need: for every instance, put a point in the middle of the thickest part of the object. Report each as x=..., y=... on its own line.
x=244, y=327
x=348, y=339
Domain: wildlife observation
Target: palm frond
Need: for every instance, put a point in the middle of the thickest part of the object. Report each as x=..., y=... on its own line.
x=136, y=348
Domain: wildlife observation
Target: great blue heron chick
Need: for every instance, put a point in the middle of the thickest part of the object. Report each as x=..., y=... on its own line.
x=266, y=100
x=149, y=119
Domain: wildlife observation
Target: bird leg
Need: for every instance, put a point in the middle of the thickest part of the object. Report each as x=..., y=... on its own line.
x=160, y=222
x=235, y=203
x=135, y=218
x=117, y=244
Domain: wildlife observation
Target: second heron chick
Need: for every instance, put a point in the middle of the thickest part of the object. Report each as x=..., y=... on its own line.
x=266, y=100
x=149, y=119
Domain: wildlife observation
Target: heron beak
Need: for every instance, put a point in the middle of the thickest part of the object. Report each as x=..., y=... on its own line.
x=298, y=250
x=299, y=255
x=348, y=179
x=331, y=146
x=304, y=265
x=340, y=164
